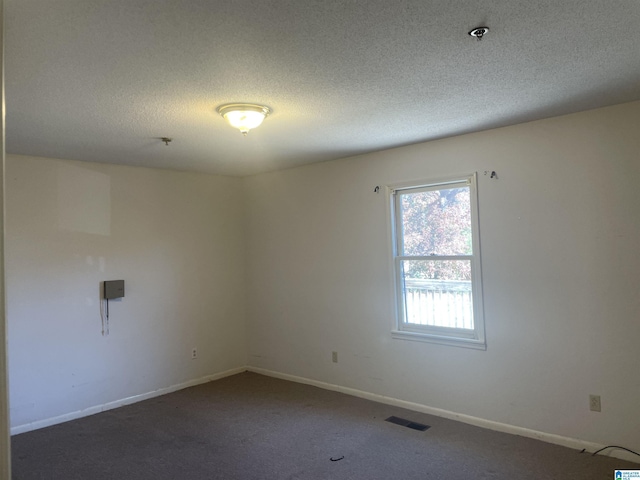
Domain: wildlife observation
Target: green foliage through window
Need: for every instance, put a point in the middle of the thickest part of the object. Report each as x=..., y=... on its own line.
x=437, y=223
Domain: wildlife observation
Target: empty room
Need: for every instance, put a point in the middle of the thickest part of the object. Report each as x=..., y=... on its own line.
x=280, y=239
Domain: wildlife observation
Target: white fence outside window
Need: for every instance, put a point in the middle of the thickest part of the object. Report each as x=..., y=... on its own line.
x=439, y=303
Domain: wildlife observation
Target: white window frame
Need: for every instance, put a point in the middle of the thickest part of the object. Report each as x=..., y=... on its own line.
x=433, y=334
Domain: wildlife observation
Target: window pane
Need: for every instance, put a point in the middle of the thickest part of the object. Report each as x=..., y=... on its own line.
x=436, y=222
x=437, y=293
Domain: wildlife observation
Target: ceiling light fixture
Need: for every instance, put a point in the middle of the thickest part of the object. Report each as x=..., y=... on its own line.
x=479, y=32
x=244, y=116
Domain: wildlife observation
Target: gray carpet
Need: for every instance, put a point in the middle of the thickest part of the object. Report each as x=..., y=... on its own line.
x=254, y=427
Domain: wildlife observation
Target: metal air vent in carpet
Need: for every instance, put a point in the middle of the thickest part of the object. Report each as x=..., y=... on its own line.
x=407, y=423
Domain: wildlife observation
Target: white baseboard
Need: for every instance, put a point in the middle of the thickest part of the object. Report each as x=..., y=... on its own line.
x=27, y=427
x=438, y=412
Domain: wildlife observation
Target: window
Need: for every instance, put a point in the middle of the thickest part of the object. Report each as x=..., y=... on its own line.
x=437, y=262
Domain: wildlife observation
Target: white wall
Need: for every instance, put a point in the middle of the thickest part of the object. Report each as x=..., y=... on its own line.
x=559, y=231
x=5, y=455
x=177, y=241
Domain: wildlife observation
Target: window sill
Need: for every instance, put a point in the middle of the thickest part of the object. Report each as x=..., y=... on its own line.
x=439, y=339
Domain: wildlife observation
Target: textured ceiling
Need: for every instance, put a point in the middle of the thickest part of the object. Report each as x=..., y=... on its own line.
x=102, y=80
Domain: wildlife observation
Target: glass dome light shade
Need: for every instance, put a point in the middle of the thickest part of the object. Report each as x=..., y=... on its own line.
x=244, y=117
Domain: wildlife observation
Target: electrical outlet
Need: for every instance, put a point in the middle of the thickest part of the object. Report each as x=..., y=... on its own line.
x=594, y=403
x=334, y=357
x=194, y=353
